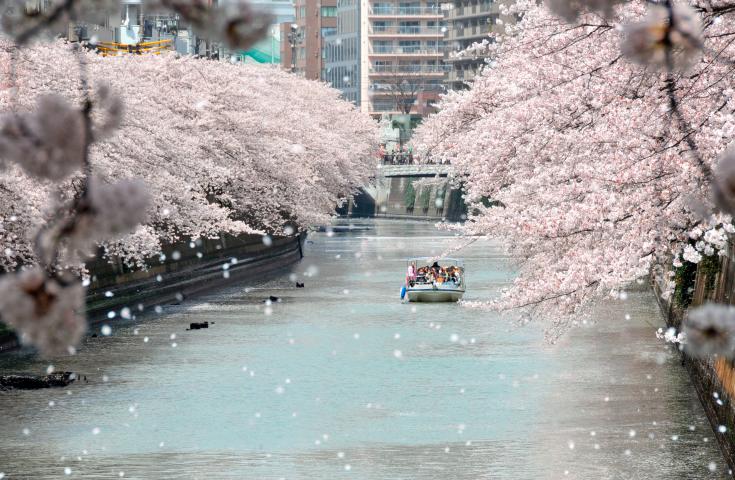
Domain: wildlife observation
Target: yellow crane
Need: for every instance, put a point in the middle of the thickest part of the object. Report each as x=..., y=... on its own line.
x=112, y=48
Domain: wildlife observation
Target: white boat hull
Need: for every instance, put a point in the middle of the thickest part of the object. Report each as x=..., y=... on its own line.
x=438, y=294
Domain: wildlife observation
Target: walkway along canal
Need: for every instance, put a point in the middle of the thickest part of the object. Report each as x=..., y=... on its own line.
x=341, y=380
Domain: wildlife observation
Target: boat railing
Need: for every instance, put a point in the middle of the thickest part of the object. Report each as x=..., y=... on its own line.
x=422, y=280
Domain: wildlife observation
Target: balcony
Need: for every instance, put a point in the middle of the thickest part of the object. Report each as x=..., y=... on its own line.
x=471, y=11
x=409, y=70
x=461, y=75
x=383, y=89
x=392, y=32
x=464, y=33
x=394, y=12
x=379, y=51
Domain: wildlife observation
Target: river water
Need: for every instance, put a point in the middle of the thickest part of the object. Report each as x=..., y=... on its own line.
x=342, y=380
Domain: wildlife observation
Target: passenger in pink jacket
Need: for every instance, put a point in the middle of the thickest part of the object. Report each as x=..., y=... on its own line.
x=411, y=274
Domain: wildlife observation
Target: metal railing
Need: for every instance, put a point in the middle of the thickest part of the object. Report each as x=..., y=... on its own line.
x=391, y=88
x=410, y=68
x=381, y=10
x=471, y=31
x=381, y=30
x=407, y=158
x=469, y=11
x=390, y=50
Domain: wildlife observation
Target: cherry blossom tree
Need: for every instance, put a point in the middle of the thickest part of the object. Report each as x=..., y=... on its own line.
x=222, y=148
x=135, y=151
x=588, y=147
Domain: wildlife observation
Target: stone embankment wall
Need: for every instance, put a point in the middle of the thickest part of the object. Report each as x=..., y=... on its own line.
x=714, y=379
x=427, y=202
x=188, y=268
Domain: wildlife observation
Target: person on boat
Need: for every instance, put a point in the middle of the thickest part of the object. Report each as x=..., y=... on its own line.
x=420, y=274
x=411, y=274
x=447, y=274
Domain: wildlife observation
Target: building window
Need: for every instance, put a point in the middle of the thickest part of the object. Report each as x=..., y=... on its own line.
x=409, y=8
x=381, y=26
x=409, y=46
x=383, y=46
x=382, y=8
x=327, y=31
x=409, y=29
x=329, y=11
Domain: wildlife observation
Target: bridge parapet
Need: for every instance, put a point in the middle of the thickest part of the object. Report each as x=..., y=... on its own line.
x=424, y=170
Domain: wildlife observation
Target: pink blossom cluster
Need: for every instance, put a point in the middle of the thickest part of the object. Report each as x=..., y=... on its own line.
x=710, y=330
x=670, y=335
x=48, y=142
x=108, y=212
x=45, y=312
x=708, y=238
x=665, y=37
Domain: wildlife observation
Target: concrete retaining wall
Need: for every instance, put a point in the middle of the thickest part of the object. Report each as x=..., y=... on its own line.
x=713, y=379
x=223, y=261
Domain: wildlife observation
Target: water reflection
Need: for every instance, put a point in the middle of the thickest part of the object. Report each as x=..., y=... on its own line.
x=341, y=380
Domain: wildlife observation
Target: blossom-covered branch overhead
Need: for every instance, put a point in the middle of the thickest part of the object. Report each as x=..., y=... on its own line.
x=588, y=142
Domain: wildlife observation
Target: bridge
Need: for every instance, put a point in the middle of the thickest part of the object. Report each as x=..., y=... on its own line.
x=424, y=170
x=393, y=193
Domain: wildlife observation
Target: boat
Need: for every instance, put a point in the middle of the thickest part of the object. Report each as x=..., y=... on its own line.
x=436, y=280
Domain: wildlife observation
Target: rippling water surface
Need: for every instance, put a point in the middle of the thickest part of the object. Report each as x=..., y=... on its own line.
x=341, y=380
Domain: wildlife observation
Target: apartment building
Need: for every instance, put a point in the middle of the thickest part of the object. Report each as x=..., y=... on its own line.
x=468, y=22
x=304, y=38
x=342, y=63
x=401, y=56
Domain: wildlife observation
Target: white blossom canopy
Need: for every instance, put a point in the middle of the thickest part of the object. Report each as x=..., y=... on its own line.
x=221, y=147
x=573, y=157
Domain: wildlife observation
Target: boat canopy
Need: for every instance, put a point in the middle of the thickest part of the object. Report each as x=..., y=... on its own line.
x=441, y=261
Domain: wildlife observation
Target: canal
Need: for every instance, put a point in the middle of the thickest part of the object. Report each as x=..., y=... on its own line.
x=342, y=380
